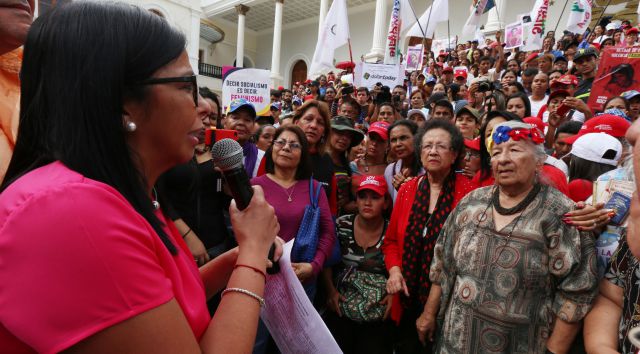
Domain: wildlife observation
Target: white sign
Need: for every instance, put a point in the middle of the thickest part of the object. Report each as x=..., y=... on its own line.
x=389, y=75
x=293, y=322
x=514, y=34
x=251, y=84
x=414, y=58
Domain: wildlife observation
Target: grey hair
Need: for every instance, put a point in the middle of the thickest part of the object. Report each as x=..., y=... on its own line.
x=538, y=149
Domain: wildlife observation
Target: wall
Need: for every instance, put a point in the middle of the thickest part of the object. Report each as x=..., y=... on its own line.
x=224, y=53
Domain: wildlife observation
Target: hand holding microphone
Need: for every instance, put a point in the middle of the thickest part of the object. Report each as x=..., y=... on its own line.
x=253, y=213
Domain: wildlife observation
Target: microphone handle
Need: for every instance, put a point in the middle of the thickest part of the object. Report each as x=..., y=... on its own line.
x=240, y=188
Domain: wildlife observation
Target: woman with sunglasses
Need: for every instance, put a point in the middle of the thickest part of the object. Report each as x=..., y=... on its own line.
x=286, y=186
x=98, y=125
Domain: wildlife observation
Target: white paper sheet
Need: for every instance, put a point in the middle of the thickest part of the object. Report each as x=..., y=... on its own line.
x=293, y=322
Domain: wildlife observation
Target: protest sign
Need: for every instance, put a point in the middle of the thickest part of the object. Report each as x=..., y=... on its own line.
x=389, y=75
x=444, y=44
x=414, y=58
x=513, y=35
x=619, y=71
x=250, y=84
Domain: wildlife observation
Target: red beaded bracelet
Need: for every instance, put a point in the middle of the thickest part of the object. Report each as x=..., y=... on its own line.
x=252, y=268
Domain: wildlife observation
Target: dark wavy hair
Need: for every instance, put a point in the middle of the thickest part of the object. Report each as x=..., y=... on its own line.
x=457, y=140
x=413, y=128
x=81, y=62
x=525, y=99
x=304, y=169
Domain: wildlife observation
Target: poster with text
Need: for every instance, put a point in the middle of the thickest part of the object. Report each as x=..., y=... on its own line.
x=388, y=75
x=414, y=58
x=619, y=71
x=250, y=84
x=514, y=35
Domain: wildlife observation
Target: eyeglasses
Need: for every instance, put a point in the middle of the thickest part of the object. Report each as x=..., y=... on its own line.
x=165, y=80
x=280, y=143
x=438, y=147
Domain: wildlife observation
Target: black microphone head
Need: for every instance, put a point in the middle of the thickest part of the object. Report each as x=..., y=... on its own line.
x=227, y=154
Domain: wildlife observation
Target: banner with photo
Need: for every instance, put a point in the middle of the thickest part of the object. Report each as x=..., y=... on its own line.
x=414, y=58
x=514, y=33
x=251, y=84
x=368, y=75
x=619, y=71
x=443, y=44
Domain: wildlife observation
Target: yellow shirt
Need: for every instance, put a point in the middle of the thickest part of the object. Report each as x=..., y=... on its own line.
x=10, y=64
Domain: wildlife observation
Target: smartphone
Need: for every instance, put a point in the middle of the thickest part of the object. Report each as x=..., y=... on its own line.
x=213, y=135
x=562, y=110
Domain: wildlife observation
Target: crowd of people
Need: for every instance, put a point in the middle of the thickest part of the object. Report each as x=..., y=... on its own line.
x=480, y=206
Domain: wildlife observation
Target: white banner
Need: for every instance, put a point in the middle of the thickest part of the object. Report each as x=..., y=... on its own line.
x=438, y=45
x=537, y=26
x=250, y=84
x=389, y=75
x=579, y=16
x=393, y=35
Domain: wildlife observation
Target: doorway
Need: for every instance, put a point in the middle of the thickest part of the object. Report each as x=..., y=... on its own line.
x=299, y=72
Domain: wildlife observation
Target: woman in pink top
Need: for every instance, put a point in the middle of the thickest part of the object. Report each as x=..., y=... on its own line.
x=89, y=262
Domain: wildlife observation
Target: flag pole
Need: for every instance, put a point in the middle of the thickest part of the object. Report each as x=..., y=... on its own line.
x=417, y=19
x=448, y=35
x=350, y=53
x=560, y=18
x=429, y=19
x=602, y=13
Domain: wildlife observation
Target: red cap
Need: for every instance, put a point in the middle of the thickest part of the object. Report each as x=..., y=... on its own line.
x=531, y=56
x=565, y=80
x=473, y=144
x=442, y=53
x=308, y=81
x=580, y=190
x=448, y=69
x=560, y=92
x=535, y=123
x=380, y=128
x=631, y=30
x=376, y=184
x=604, y=123
x=280, y=88
x=460, y=73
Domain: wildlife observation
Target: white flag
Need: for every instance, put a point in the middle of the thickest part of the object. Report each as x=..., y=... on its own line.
x=436, y=13
x=638, y=11
x=473, y=21
x=537, y=25
x=334, y=34
x=579, y=16
x=407, y=16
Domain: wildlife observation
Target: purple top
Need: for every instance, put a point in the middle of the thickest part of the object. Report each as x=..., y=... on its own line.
x=290, y=214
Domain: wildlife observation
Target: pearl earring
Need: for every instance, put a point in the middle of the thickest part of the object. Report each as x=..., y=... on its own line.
x=131, y=127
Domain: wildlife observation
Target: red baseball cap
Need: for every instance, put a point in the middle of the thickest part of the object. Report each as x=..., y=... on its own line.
x=460, y=73
x=560, y=92
x=535, y=123
x=473, y=144
x=377, y=184
x=448, y=69
x=531, y=56
x=565, y=80
x=380, y=128
x=442, y=53
x=631, y=30
x=604, y=123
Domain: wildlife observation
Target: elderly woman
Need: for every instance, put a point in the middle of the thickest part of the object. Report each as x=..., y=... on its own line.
x=508, y=274
x=421, y=208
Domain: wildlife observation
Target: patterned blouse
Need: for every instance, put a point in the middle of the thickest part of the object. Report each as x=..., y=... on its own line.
x=625, y=273
x=501, y=293
x=371, y=259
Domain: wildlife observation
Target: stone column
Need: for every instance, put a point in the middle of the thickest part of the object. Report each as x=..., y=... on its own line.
x=380, y=27
x=495, y=18
x=277, y=40
x=242, y=11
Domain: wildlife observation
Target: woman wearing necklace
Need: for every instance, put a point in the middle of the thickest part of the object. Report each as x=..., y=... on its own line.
x=508, y=275
x=407, y=163
x=421, y=208
x=374, y=161
x=286, y=188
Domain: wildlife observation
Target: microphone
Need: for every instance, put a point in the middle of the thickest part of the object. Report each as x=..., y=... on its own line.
x=227, y=156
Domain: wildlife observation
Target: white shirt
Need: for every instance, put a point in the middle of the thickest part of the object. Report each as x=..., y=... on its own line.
x=537, y=105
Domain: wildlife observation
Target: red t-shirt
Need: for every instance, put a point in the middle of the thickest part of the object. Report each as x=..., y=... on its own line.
x=77, y=258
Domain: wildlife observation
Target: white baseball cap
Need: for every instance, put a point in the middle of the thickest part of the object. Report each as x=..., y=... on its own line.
x=611, y=26
x=598, y=147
